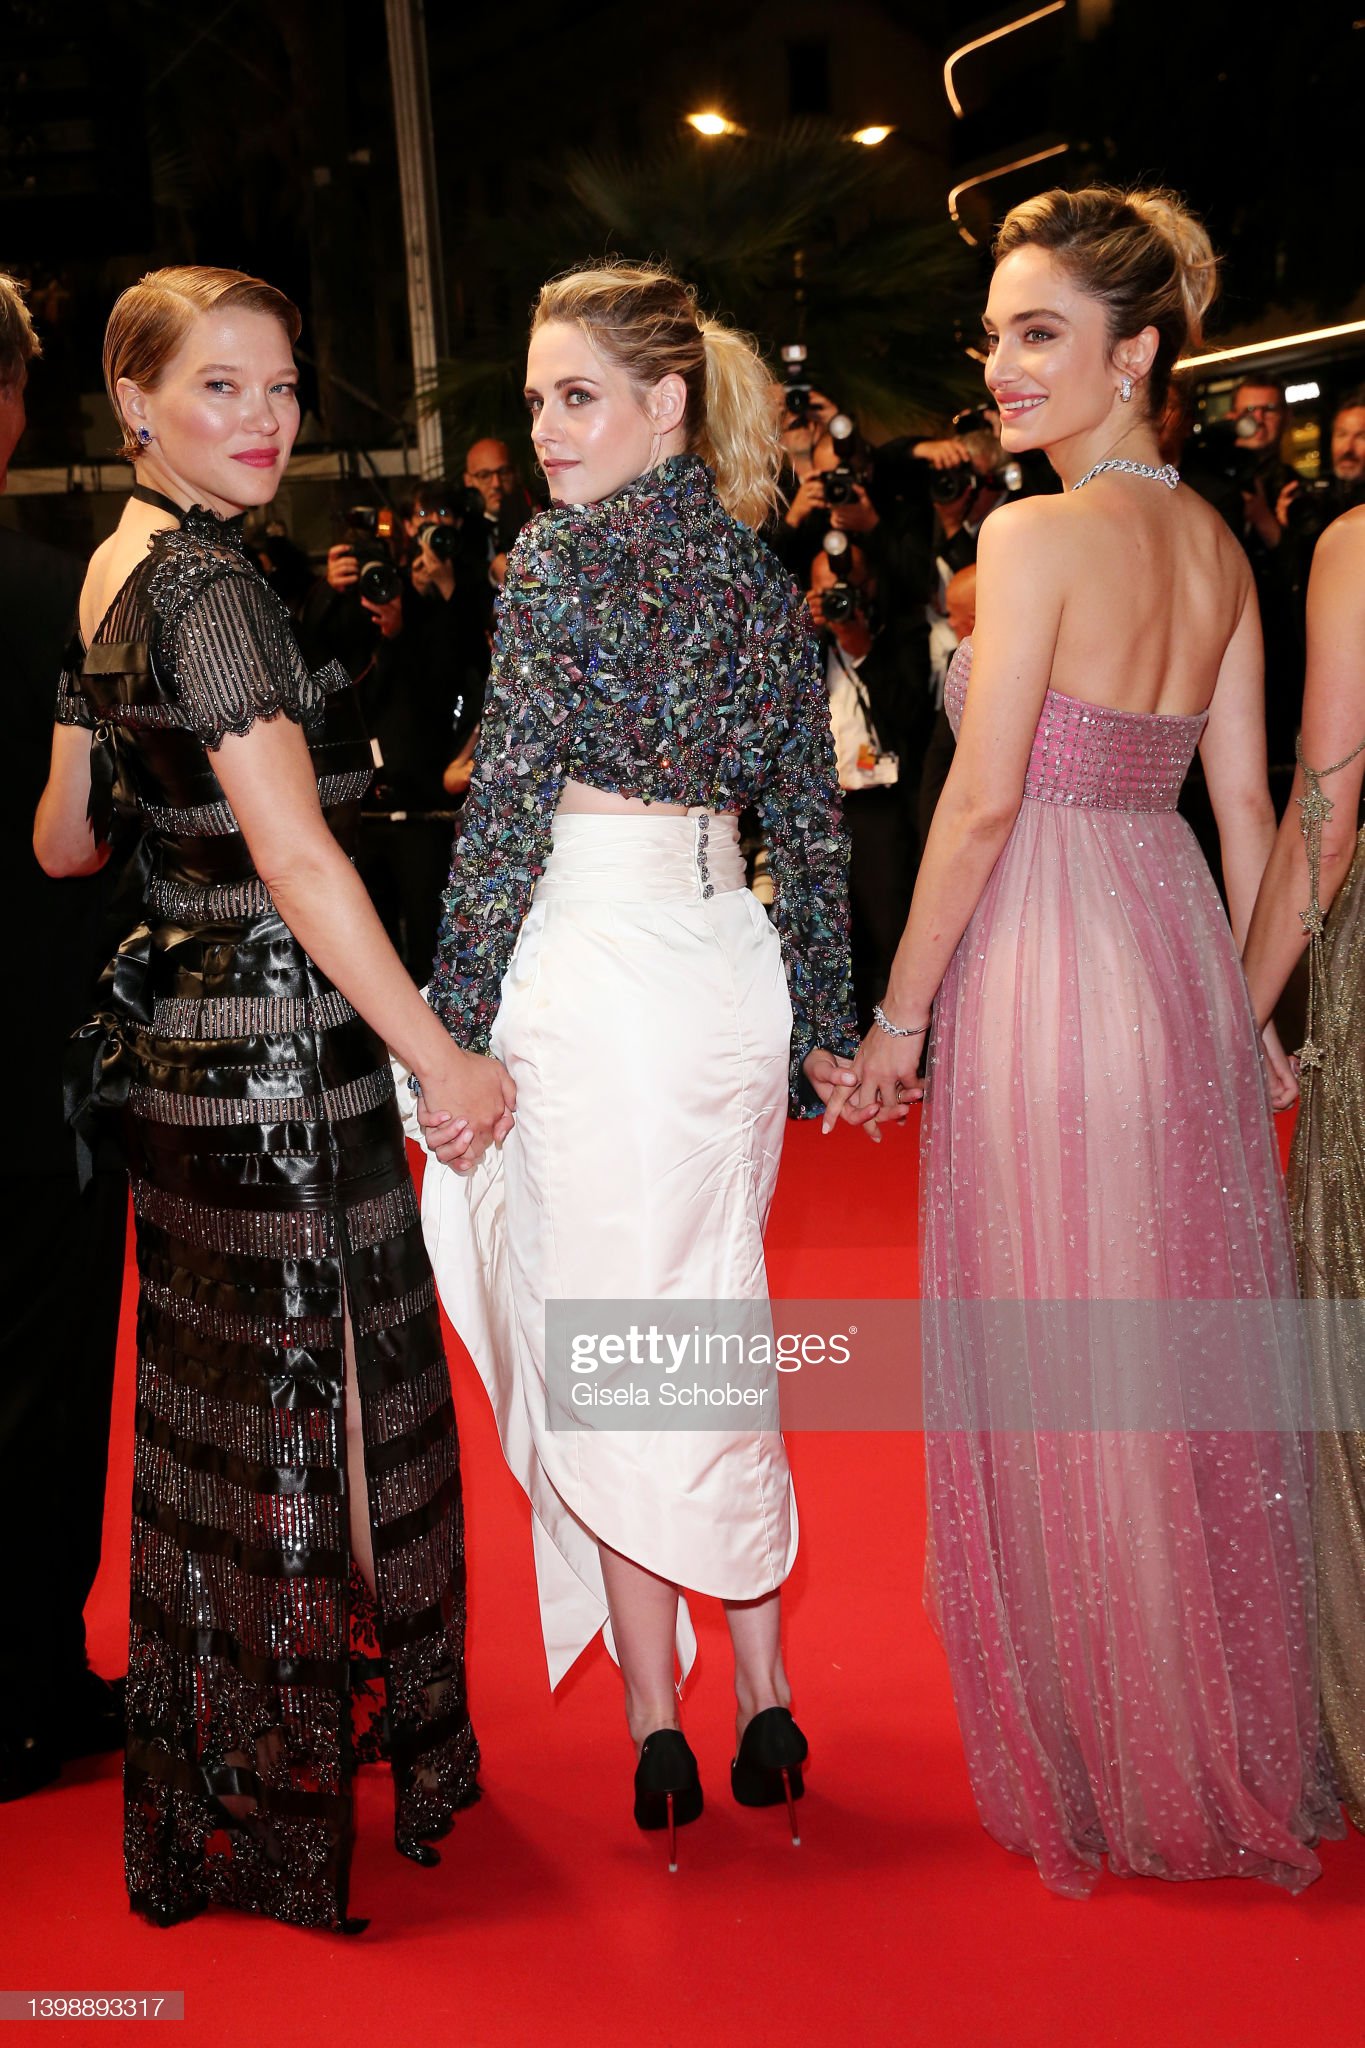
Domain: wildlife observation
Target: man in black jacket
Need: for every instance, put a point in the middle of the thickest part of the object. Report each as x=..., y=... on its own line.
x=59, y=1320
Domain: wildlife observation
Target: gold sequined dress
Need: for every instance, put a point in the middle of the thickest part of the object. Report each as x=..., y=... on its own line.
x=1327, y=1202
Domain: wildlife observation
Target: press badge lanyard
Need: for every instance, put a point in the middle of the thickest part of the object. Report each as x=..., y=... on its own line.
x=864, y=702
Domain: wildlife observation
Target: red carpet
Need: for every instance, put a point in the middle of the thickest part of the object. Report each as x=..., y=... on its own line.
x=552, y=1919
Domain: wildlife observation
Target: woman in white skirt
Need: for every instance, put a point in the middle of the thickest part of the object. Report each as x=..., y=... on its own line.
x=654, y=672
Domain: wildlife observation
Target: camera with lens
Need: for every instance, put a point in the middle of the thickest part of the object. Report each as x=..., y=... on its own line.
x=1220, y=451
x=368, y=528
x=1003, y=473
x=797, y=394
x=455, y=528
x=840, y=601
x=947, y=484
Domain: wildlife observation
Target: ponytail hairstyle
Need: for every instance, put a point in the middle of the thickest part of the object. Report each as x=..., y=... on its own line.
x=646, y=322
x=152, y=318
x=1142, y=254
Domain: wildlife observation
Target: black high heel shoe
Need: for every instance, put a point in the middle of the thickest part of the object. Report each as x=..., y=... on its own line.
x=767, y=1769
x=667, y=1786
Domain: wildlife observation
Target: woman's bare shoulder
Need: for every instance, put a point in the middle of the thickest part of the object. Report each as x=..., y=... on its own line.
x=1026, y=527
x=1343, y=542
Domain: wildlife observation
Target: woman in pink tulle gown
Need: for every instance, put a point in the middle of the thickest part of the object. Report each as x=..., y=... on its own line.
x=1121, y=1556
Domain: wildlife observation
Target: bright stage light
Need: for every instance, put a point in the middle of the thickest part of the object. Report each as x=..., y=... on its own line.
x=870, y=137
x=991, y=36
x=1295, y=394
x=711, y=123
x=1019, y=163
x=1262, y=348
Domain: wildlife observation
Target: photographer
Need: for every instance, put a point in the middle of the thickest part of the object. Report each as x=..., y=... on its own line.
x=65, y=1247
x=1257, y=419
x=878, y=496
x=417, y=645
x=880, y=715
x=1306, y=510
x=1238, y=468
x=490, y=470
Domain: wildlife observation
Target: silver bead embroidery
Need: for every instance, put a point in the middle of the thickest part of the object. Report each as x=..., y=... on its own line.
x=212, y=1017
x=334, y=1105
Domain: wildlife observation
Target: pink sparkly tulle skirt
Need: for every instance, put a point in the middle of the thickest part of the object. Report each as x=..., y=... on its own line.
x=1121, y=1552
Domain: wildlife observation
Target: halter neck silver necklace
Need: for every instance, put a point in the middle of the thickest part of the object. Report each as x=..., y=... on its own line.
x=1168, y=474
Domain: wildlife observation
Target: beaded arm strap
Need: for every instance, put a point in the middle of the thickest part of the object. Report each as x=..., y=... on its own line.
x=1315, y=808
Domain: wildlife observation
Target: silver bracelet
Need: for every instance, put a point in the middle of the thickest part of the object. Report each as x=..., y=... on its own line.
x=883, y=1023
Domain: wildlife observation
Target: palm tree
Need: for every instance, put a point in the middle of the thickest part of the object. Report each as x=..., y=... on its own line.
x=794, y=236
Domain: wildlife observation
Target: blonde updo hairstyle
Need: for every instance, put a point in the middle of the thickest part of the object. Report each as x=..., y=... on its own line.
x=646, y=322
x=1142, y=254
x=152, y=318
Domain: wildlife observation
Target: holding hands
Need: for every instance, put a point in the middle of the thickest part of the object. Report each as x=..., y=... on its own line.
x=881, y=1081
x=465, y=1105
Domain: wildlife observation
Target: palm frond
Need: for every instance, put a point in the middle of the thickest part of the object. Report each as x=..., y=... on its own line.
x=794, y=235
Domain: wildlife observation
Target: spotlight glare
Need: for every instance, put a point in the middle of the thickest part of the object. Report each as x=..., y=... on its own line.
x=1295, y=394
x=870, y=137
x=711, y=123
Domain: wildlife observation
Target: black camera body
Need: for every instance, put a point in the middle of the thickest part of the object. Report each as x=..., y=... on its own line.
x=840, y=484
x=455, y=528
x=1222, y=452
x=840, y=601
x=379, y=578
x=366, y=534
x=947, y=484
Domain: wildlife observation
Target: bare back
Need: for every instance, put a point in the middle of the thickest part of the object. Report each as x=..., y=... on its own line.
x=114, y=561
x=1154, y=587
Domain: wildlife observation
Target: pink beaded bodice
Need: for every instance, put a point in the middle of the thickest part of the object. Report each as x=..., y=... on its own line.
x=1093, y=756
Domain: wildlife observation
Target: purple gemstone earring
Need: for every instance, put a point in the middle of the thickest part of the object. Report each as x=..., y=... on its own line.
x=144, y=435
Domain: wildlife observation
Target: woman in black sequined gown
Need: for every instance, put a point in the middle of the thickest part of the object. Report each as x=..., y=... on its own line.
x=297, y=1465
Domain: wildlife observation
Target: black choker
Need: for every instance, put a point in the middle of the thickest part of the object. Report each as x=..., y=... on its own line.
x=163, y=504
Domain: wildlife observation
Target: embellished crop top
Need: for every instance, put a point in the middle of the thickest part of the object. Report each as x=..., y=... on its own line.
x=653, y=646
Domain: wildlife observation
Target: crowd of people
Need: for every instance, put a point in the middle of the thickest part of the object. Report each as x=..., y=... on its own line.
x=949, y=690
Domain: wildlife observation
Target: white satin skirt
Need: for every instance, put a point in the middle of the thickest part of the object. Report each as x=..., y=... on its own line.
x=646, y=1022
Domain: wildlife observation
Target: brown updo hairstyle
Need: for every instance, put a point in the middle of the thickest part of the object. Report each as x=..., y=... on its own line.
x=152, y=318
x=1142, y=254
x=646, y=322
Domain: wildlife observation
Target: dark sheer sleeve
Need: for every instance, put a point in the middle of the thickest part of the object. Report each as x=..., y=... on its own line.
x=73, y=707
x=534, y=688
x=803, y=827
x=233, y=657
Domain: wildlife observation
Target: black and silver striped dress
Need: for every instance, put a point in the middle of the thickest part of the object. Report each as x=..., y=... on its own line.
x=272, y=1196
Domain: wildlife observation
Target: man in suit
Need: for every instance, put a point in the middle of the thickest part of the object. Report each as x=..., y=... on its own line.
x=59, y=1317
